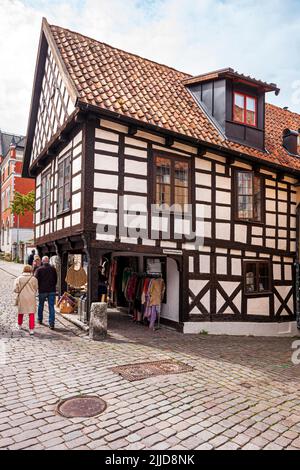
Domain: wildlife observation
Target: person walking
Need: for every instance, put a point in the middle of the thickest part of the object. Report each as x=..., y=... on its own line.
x=47, y=279
x=26, y=287
x=31, y=258
x=36, y=263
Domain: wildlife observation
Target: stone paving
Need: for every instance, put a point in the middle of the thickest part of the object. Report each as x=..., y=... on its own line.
x=243, y=394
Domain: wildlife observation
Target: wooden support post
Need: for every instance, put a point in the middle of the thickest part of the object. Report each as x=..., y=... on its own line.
x=63, y=272
x=93, y=255
x=62, y=268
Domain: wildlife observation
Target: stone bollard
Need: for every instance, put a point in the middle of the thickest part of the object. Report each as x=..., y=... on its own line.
x=98, y=321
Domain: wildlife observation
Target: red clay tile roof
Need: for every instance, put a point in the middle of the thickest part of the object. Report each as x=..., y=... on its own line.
x=155, y=94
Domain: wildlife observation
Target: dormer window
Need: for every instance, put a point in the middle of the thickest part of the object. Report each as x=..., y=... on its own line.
x=245, y=109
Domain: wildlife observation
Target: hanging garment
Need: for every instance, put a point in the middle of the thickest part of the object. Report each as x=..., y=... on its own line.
x=126, y=275
x=154, y=311
x=138, y=294
x=145, y=288
x=131, y=286
x=76, y=277
x=113, y=275
x=156, y=291
x=147, y=307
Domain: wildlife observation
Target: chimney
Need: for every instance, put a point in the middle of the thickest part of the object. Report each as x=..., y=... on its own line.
x=12, y=150
x=290, y=141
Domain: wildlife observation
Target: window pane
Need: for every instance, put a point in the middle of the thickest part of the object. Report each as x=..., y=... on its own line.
x=181, y=196
x=245, y=183
x=67, y=197
x=245, y=207
x=238, y=109
x=251, y=111
x=250, y=104
x=60, y=174
x=42, y=209
x=263, y=281
x=163, y=170
x=181, y=174
x=250, y=278
x=163, y=194
x=163, y=180
x=64, y=185
x=60, y=199
x=47, y=207
x=245, y=195
x=67, y=169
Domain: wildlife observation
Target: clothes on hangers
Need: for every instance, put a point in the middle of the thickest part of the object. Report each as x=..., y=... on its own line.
x=154, y=296
x=143, y=292
x=130, y=289
x=157, y=290
x=113, y=275
x=126, y=275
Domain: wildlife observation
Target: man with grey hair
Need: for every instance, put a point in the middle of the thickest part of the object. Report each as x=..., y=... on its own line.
x=47, y=280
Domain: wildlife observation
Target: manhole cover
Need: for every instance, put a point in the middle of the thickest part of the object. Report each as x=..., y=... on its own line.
x=81, y=407
x=145, y=370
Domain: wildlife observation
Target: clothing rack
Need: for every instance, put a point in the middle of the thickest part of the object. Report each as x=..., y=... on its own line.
x=154, y=275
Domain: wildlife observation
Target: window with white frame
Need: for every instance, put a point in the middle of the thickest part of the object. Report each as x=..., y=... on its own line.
x=64, y=185
x=45, y=196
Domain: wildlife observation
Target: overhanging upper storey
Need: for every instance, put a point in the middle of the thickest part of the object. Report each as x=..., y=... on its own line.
x=235, y=102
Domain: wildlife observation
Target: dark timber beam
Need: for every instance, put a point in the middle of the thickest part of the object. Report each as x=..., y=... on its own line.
x=201, y=151
x=230, y=160
x=132, y=130
x=279, y=176
x=63, y=139
x=169, y=141
x=255, y=168
x=80, y=118
x=50, y=154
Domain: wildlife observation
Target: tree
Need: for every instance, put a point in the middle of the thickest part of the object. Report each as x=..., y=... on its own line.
x=20, y=205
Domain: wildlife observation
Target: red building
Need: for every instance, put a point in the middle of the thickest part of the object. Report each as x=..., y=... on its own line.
x=11, y=181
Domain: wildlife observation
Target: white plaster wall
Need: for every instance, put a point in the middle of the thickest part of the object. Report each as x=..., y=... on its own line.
x=170, y=310
x=136, y=168
x=106, y=163
x=105, y=200
x=258, y=306
x=286, y=329
x=102, y=181
x=135, y=185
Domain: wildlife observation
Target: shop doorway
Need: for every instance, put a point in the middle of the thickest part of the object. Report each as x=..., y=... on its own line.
x=148, y=269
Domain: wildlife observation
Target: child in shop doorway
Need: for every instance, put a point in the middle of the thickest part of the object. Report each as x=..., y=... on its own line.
x=26, y=287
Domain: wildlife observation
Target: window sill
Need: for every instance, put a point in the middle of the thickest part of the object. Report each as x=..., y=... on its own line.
x=248, y=222
x=242, y=124
x=67, y=211
x=258, y=294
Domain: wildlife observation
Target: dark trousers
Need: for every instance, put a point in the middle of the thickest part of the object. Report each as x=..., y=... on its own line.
x=51, y=300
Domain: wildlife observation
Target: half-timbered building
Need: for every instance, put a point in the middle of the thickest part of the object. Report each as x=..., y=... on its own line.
x=114, y=140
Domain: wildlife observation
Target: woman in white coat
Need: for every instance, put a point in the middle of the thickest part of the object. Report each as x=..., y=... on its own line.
x=26, y=287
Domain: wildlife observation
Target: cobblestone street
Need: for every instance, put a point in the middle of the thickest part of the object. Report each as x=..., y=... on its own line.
x=243, y=394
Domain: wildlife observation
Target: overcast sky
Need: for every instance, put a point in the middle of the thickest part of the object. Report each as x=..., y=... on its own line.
x=260, y=38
